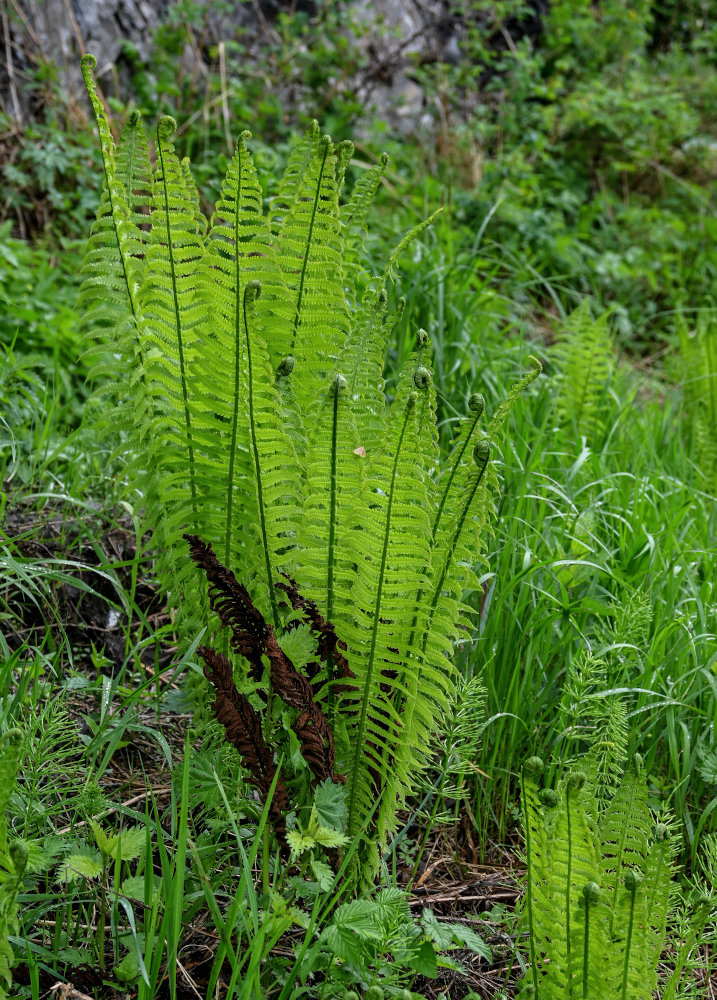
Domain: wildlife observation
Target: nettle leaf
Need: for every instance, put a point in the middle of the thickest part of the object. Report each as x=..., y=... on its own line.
x=106, y=842
x=322, y=873
x=330, y=804
x=81, y=866
x=133, y=887
x=329, y=838
x=466, y=938
x=354, y=925
x=440, y=934
x=424, y=960
x=299, y=842
x=299, y=645
x=130, y=843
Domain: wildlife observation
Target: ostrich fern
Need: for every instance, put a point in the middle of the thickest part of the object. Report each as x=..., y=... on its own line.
x=13, y=855
x=246, y=357
x=598, y=886
x=585, y=362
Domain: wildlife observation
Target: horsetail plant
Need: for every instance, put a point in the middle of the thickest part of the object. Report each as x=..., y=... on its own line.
x=247, y=360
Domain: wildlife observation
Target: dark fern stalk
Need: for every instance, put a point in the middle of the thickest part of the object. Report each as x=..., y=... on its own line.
x=251, y=294
x=528, y=788
x=591, y=896
x=632, y=881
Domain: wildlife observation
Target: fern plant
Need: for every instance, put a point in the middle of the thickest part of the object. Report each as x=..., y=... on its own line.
x=585, y=361
x=245, y=356
x=698, y=349
x=13, y=855
x=598, y=885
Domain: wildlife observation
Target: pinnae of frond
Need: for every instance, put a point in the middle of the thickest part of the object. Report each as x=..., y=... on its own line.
x=326, y=143
x=339, y=387
x=476, y=405
x=410, y=406
x=87, y=64
x=481, y=456
x=165, y=127
x=507, y=405
x=251, y=294
x=243, y=138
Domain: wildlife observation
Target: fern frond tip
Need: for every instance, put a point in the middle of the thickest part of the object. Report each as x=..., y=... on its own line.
x=538, y=365
x=87, y=63
x=286, y=366
x=166, y=126
x=476, y=403
x=481, y=454
x=592, y=892
x=533, y=765
x=423, y=378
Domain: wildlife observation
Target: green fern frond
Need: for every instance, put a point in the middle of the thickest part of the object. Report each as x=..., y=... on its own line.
x=238, y=251
x=516, y=390
x=333, y=481
x=309, y=250
x=172, y=314
x=353, y=220
x=699, y=355
x=134, y=171
x=585, y=358
x=625, y=830
x=112, y=273
x=200, y=222
x=13, y=856
x=275, y=471
x=301, y=155
x=391, y=552
x=598, y=896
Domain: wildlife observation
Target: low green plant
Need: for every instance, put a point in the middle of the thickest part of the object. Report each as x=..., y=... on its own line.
x=598, y=883
x=698, y=349
x=246, y=356
x=13, y=855
x=585, y=361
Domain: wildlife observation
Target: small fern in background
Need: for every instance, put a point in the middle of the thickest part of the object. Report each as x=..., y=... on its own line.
x=246, y=359
x=13, y=855
x=584, y=357
x=598, y=885
x=698, y=348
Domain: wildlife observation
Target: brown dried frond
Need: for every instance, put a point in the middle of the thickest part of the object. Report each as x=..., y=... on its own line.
x=311, y=727
x=242, y=724
x=329, y=645
x=230, y=600
x=253, y=637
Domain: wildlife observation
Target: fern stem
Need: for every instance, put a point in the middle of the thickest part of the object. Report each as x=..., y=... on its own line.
x=377, y=614
x=591, y=894
x=529, y=877
x=482, y=459
x=477, y=409
x=178, y=320
x=252, y=292
x=570, y=785
x=305, y=262
x=339, y=382
x=631, y=883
